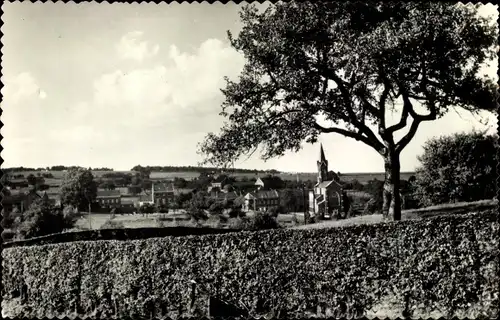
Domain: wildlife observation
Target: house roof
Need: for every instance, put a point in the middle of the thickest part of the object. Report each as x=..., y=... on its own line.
x=224, y=195
x=162, y=187
x=219, y=179
x=182, y=190
x=144, y=197
x=264, y=194
x=108, y=193
x=327, y=184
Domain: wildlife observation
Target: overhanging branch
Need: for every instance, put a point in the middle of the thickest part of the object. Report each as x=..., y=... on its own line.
x=354, y=135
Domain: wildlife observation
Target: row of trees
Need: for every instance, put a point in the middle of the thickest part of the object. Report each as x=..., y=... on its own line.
x=207, y=170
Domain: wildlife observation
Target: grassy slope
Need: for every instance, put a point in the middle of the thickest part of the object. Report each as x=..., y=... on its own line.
x=452, y=208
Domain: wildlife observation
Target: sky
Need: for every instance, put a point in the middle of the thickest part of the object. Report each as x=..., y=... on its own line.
x=117, y=85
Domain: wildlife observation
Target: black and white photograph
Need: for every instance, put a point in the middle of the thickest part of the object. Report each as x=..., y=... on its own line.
x=240, y=160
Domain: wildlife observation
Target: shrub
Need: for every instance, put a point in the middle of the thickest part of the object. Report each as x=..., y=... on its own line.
x=40, y=219
x=441, y=263
x=371, y=207
x=460, y=167
x=262, y=221
x=8, y=217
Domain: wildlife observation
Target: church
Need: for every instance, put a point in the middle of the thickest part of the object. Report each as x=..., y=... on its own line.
x=325, y=200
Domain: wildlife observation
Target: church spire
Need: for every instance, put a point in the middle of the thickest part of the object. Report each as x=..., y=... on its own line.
x=322, y=157
x=322, y=166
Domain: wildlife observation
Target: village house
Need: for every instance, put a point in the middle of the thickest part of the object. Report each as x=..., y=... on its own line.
x=325, y=199
x=108, y=199
x=261, y=200
x=162, y=193
x=22, y=200
x=217, y=183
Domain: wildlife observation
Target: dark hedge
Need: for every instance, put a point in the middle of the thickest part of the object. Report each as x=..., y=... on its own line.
x=116, y=234
x=445, y=264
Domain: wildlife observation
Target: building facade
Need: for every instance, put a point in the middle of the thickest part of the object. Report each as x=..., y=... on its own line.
x=325, y=200
x=261, y=200
x=109, y=199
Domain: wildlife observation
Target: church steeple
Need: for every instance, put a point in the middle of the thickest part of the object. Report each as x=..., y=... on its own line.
x=322, y=166
x=322, y=157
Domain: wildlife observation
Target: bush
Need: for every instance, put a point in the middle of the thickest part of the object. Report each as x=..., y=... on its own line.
x=446, y=263
x=456, y=168
x=236, y=211
x=371, y=207
x=262, y=221
x=42, y=218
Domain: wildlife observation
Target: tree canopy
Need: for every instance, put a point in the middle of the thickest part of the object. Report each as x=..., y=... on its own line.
x=348, y=63
x=78, y=188
x=333, y=67
x=460, y=167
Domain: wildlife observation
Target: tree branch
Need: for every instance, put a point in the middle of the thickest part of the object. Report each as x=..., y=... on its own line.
x=355, y=135
x=417, y=119
x=407, y=106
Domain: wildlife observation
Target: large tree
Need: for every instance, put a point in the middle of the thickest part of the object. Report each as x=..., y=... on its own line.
x=78, y=188
x=332, y=67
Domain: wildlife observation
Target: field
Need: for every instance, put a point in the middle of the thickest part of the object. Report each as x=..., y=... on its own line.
x=190, y=175
x=169, y=220
x=286, y=220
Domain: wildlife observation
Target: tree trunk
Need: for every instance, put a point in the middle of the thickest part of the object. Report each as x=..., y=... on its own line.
x=391, y=207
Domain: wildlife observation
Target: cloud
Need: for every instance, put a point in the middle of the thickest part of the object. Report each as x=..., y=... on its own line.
x=131, y=47
x=186, y=81
x=21, y=87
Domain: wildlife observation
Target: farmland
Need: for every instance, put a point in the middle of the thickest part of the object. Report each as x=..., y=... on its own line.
x=190, y=175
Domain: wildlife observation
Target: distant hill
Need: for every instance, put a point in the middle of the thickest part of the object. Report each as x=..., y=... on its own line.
x=192, y=172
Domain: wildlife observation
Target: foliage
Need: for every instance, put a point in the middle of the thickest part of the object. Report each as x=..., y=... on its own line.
x=42, y=218
x=262, y=221
x=10, y=217
x=78, y=189
x=163, y=208
x=275, y=211
x=460, y=167
x=353, y=185
x=235, y=211
x=346, y=204
x=288, y=200
x=197, y=205
x=147, y=208
x=108, y=185
x=340, y=67
x=216, y=208
x=181, y=199
x=442, y=263
x=375, y=188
